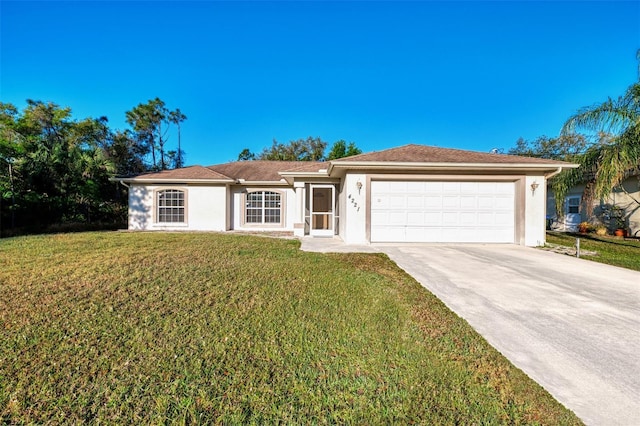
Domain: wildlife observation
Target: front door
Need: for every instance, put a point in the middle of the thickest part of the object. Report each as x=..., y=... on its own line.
x=572, y=216
x=322, y=210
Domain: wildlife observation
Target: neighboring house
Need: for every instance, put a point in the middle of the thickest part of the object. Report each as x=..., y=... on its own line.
x=413, y=193
x=619, y=209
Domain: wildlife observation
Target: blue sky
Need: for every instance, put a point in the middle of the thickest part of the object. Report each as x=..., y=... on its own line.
x=468, y=75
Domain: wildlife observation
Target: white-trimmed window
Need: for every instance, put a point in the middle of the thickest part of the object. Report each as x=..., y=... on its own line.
x=263, y=208
x=170, y=204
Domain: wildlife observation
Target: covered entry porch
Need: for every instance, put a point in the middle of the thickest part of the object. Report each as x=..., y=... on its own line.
x=317, y=212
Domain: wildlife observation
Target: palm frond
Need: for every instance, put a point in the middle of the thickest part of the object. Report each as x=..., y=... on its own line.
x=586, y=173
x=608, y=117
x=615, y=162
x=611, y=116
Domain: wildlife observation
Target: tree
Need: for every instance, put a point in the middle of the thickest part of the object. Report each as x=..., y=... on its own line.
x=564, y=147
x=607, y=163
x=144, y=120
x=150, y=123
x=178, y=117
x=9, y=150
x=126, y=154
x=310, y=149
x=340, y=149
x=56, y=170
x=246, y=155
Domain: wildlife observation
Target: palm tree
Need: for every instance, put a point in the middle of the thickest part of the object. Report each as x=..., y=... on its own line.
x=607, y=163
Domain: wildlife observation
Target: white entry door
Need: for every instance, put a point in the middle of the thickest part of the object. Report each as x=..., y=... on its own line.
x=572, y=216
x=432, y=211
x=322, y=210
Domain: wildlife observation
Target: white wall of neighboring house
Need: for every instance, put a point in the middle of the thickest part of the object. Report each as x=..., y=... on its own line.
x=628, y=204
x=205, y=208
x=597, y=213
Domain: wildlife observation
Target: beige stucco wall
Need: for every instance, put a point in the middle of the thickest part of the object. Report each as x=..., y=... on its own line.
x=205, y=208
x=626, y=202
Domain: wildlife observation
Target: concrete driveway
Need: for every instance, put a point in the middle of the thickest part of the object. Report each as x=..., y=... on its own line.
x=570, y=324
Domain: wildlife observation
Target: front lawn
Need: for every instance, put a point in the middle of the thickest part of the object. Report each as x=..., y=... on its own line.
x=610, y=250
x=210, y=328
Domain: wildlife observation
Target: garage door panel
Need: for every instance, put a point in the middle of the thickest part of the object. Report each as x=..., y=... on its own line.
x=486, y=202
x=379, y=203
x=450, y=218
x=379, y=217
x=433, y=202
x=416, y=187
x=383, y=186
x=451, y=187
x=468, y=218
x=432, y=211
x=397, y=186
x=449, y=201
x=504, y=219
x=504, y=189
x=468, y=187
x=486, y=218
x=418, y=235
x=397, y=201
x=388, y=234
x=433, y=218
x=468, y=202
x=433, y=187
x=415, y=218
x=415, y=201
x=503, y=203
x=397, y=217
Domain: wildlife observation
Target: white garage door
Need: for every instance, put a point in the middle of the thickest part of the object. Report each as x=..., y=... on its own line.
x=442, y=211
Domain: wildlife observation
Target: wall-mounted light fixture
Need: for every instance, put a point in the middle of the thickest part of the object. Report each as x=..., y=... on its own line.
x=534, y=186
x=359, y=186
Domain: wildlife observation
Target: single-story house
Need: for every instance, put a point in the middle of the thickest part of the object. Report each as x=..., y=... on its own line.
x=620, y=209
x=413, y=193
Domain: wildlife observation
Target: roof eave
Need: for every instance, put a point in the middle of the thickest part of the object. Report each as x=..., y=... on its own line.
x=168, y=180
x=390, y=165
x=290, y=176
x=261, y=182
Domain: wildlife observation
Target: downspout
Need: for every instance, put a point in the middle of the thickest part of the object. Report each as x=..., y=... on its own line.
x=552, y=174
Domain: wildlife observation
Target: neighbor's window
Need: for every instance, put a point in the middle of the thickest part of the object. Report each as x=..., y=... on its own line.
x=170, y=206
x=263, y=207
x=573, y=205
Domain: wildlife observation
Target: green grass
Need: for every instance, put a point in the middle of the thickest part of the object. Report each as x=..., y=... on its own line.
x=610, y=250
x=210, y=328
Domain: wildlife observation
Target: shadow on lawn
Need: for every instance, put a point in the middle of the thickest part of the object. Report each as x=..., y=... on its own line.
x=611, y=240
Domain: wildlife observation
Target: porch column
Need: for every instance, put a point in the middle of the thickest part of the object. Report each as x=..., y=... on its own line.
x=298, y=224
